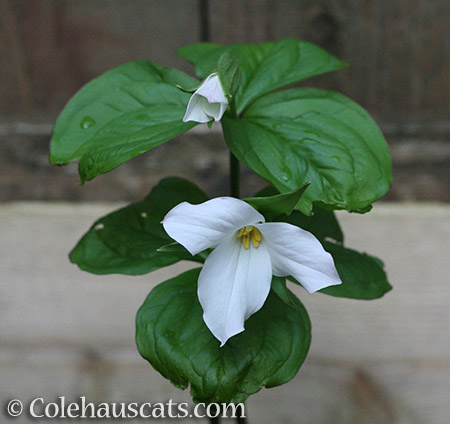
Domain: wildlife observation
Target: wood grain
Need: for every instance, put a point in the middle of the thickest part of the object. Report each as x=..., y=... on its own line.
x=398, y=50
x=66, y=332
x=399, y=58
x=49, y=49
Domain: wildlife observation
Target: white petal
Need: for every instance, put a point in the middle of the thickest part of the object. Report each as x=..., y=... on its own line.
x=208, y=102
x=212, y=90
x=199, y=227
x=297, y=252
x=223, y=108
x=194, y=110
x=212, y=110
x=233, y=284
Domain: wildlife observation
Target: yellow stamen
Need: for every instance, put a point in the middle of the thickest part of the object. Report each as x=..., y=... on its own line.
x=246, y=241
x=256, y=234
x=255, y=238
x=249, y=232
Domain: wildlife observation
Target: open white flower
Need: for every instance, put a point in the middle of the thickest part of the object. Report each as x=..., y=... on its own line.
x=236, y=277
x=208, y=102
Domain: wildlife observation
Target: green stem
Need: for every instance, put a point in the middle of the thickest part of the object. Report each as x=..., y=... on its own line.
x=214, y=420
x=241, y=420
x=235, y=176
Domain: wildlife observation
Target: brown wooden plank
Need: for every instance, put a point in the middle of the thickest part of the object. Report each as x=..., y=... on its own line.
x=49, y=49
x=398, y=52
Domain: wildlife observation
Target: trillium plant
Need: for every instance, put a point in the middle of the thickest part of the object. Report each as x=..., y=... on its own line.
x=231, y=326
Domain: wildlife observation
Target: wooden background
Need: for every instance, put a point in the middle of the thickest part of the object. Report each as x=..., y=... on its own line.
x=398, y=50
x=387, y=361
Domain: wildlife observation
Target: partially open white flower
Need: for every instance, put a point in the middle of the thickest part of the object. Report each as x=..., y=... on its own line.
x=236, y=277
x=208, y=102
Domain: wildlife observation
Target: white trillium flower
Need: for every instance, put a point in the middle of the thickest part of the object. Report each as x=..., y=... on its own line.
x=208, y=102
x=236, y=277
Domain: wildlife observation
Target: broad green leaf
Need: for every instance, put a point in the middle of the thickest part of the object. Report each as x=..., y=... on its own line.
x=172, y=336
x=280, y=288
x=119, y=115
x=278, y=203
x=362, y=275
x=323, y=224
x=265, y=67
x=308, y=135
x=128, y=241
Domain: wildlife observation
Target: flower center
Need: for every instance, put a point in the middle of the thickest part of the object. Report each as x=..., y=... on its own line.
x=247, y=233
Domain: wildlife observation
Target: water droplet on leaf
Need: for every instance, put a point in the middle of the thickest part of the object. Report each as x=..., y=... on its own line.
x=87, y=122
x=286, y=174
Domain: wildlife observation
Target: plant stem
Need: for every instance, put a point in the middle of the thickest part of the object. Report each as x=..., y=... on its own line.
x=215, y=420
x=235, y=172
x=241, y=420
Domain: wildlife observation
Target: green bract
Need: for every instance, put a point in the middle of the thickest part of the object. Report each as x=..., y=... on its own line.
x=277, y=203
x=229, y=74
x=171, y=335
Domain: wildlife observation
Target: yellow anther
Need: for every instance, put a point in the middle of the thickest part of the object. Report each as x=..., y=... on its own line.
x=256, y=234
x=246, y=241
x=256, y=237
x=249, y=232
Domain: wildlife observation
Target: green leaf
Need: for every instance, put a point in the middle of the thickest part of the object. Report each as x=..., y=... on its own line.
x=278, y=203
x=172, y=336
x=309, y=135
x=362, y=275
x=178, y=248
x=128, y=241
x=280, y=288
x=229, y=74
x=265, y=67
x=323, y=224
x=119, y=115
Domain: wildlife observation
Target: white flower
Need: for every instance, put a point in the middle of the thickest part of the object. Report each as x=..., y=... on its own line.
x=208, y=102
x=236, y=277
